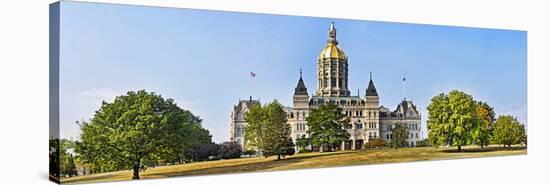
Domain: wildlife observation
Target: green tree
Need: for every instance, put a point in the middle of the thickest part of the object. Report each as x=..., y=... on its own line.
x=451, y=118
x=54, y=159
x=189, y=132
x=485, y=118
x=326, y=126
x=267, y=129
x=524, y=135
x=287, y=148
x=66, y=158
x=137, y=127
x=303, y=142
x=399, y=136
x=508, y=131
x=69, y=166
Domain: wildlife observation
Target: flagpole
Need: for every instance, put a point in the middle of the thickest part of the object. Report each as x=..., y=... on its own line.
x=250, y=92
x=252, y=75
x=404, y=79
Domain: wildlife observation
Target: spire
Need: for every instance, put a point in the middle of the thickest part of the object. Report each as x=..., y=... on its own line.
x=371, y=90
x=332, y=34
x=301, y=87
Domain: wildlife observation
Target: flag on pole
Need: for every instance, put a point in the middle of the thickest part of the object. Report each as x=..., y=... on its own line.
x=252, y=74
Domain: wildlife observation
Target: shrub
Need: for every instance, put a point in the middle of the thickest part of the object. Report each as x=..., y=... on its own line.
x=229, y=150
x=202, y=152
x=249, y=152
x=376, y=143
x=423, y=143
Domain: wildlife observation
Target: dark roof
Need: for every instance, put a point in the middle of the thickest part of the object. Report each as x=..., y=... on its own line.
x=246, y=103
x=404, y=107
x=371, y=90
x=300, y=88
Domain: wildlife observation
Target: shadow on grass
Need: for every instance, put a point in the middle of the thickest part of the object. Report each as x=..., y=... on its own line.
x=94, y=177
x=485, y=149
x=240, y=168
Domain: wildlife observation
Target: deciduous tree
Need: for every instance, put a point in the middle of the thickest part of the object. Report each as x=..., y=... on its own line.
x=137, y=127
x=508, y=131
x=485, y=118
x=326, y=126
x=451, y=119
x=267, y=129
x=399, y=136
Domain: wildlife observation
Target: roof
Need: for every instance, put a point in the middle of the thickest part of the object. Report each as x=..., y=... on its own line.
x=301, y=87
x=405, y=108
x=371, y=90
x=245, y=104
x=332, y=50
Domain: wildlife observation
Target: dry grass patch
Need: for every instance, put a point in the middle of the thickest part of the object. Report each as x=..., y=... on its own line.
x=303, y=161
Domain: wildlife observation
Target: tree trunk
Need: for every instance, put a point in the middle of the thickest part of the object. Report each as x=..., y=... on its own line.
x=136, y=169
x=459, y=148
x=279, y=157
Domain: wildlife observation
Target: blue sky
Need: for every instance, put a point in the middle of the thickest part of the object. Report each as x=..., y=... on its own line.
x=203, y=59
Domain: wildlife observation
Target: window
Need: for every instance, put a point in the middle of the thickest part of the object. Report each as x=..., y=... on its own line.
x=387, y=136
x=238, y=130
x=358, y=126
x=291, y=115
x=348, y=126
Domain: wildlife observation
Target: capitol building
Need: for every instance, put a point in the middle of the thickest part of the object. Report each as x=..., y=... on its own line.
x=368, y=119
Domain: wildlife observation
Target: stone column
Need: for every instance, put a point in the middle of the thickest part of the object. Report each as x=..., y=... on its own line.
x=353, y=144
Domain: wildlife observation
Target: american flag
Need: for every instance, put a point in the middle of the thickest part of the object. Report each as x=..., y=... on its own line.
x=252, y=74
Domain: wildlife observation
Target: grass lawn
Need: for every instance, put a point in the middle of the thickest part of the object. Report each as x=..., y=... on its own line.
x=302, y=161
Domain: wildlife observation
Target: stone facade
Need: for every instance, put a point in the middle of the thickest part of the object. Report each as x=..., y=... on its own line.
x=368, y=120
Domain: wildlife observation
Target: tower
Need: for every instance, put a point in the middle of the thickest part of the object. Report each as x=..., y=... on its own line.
x=372, y=112
x=332, y=68
x=301, y=97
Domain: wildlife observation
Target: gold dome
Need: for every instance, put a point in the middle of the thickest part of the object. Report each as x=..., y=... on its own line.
x=332, y=51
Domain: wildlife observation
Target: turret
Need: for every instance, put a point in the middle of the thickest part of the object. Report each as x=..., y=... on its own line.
x=301, y=97
x=371, y=95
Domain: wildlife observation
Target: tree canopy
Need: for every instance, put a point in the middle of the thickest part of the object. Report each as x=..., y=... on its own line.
x=326, y=126
x=399, y=136
x=451, y=118
x=267, y=130
x=485, y=118
x=138, y=127
x=508, y=131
